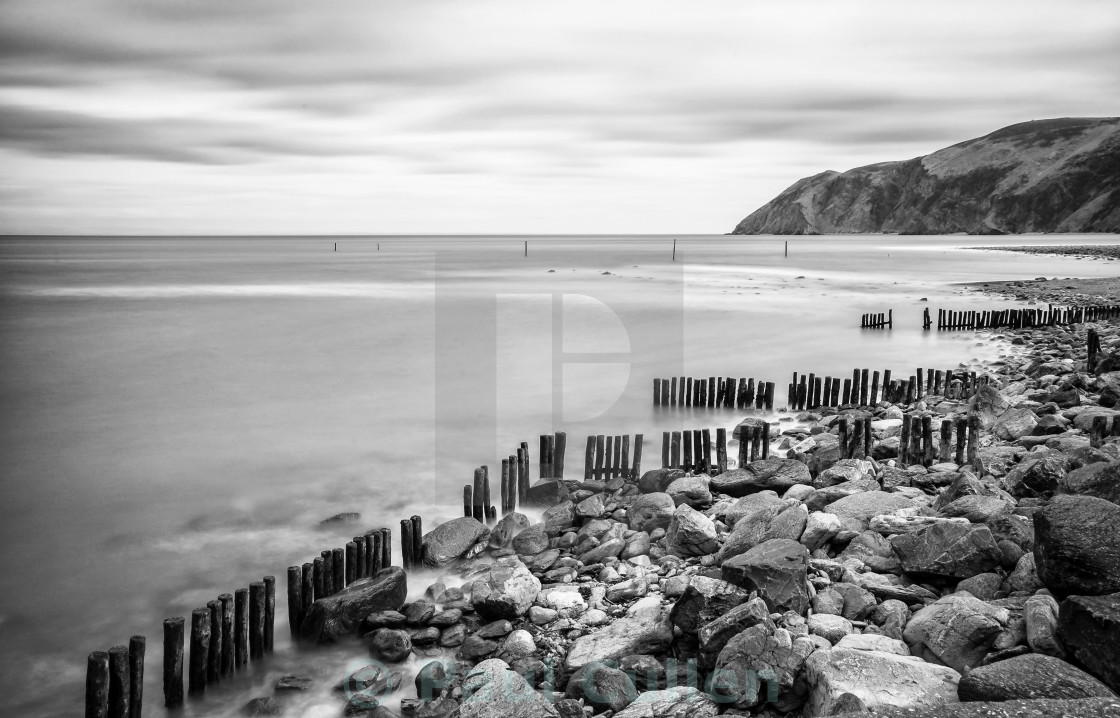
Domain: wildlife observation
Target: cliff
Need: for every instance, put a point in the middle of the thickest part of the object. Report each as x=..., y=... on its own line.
x=1060, y=175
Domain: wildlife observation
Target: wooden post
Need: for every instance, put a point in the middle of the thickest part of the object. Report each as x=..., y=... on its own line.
x=97, y=685
x=241, y=619
x=351, y=549
x=476, y=507
x=118, y=682
x=362, y=542
x=946, y=436
x=256, y=620
x=505, y=487
x=551, y=438
x=295, y=600
x=270, y=605
x=686, y=453
x=847, y=392
x=406, y=544
x=589, y=459
x=608, y=453
x=214, y=653
x=616, y=464
x=523, y=473
x=386, y=548
x=962, y=436
x=770, y=395
x=721, y=449
x=904, y=442
x=927, y=440
x=173, y=661
x=417, y=540
x=200, y=647
x=544, y=471
x=706, y=461
x=863, y=387
x=328, y=573
x=867, y=441
x=873, y=399
x=228, y=650
x=845, y=440
x=674, y=250
x=916, y=455
x=665, y=442
x=306, y=593
x=973, y=437
x=467, y=496
x=855, y=386
x=601, y=455
x=376, y=550
x=636, y=467
x=698, y=450
x=672, y=391
x=765, y=439
x=624, y=467
x=338, y=569
x=137, y=646
x=744, y=447
x=675, y=450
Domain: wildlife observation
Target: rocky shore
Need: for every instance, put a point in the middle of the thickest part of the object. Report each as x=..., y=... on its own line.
x=802, y=584
x=1081, y=251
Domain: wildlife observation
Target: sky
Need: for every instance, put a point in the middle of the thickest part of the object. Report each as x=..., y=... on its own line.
x=503, y=116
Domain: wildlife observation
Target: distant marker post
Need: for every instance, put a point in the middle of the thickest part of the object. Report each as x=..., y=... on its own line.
x=674, y=250
x=787, y=247
x=526, y=248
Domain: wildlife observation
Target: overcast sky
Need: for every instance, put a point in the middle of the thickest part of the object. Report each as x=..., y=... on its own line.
x=476, y=116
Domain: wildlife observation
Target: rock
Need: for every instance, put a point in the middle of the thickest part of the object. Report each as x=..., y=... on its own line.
x=756, y=507
x=475, y=647
x=333, y=617
x=874, y=551
x=769, y=521
x=433, y=678
x=873, y=642
x=864, y=505
x=608, y=549
x=492, y=690
x=1030, y=676
x=772, y=473
x=643, y=630
x=989, y=404
x=543, y=560
x=820, y=527
x=1037, y=477
x=878, y=679
x=531, y=541
x=636, y=545
x=1089, y=627
x=959, y=629
x=888, y=524
x=1076, y=548
x=1024, y=577
x=949, y=550
x=1101, y=479
x=602, y=687
x=691, y=490
x=1040, y=614
x=831, y=628
x=560, y=517
x=761, y=653
x=263, y=706
x=1014, y=423
x=678, y=702
x=391, y=645
x=777, y=569
x=657, y=480
x=506, y=591
x=506, y=529
x=691, y=533
x=977, y=509
x=591, y=507
x=983, y=586
x=547, y=492
x=704, y=600
x=450, y=541
x=651, y=511
x=293, y=683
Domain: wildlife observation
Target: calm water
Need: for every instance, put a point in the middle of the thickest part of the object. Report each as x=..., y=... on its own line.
x=179, y=414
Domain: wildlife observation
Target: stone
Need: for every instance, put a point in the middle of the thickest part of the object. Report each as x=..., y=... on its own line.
x=636, y=545
x=608, y=549
x=518, y=644
x=540, y=616
x=559, y=518
x=761, y=653
x=1076, y=548
x=704, y=600
x=651, y=511
x=878, y=679
x=506, y=591
x=715, y=634
x=644, y=629
x=492, y=690
x=989, y=404
x=453, y=636
x=691, y=490
x=830, y=627
x=1040, y=614
x=873, y=642
x=263, y=706
x=777, y=569
x=1089, y=627
x=475, y=647
x=691, y=533
x=949, y=550
x=1037, y=477
x=1024, y=577
x=591, y=507
x=601, y=686
x=1030, y=676
x=433, y=678
x=865, y=505
x=506, y=529
x=888, y=524
x=1101, y=479
x=547, y=492
x=977, y=509
x=773, y=473
x=543, y=560
x=531, y=541
x=450, y=541
x=677, y=702
x=293, y=683
x=752, y=508
x=392, y=645
x=874, y=551
x=982, y=586
x=443, y=619
x=959, y=629
x=333, y=617
x=1014, y=423
x=657, y=480
x=820, y=527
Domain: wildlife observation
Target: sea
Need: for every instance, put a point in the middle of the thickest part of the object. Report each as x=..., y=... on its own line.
x=180, y=414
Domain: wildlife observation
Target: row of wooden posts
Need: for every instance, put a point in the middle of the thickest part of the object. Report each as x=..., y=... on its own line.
x=515, y=478
x=812, y=392
x=917, y=445
x=115, y=681
x=713, y=392
x=1102, y=427
x=691, y=449
x=950, y=320
x=877, y=321
x=608, y=457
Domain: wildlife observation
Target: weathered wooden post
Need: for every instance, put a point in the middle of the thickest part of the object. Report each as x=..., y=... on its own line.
x=362, y=557
x=351, y=549
x=636, y=466
x=1097, y=431
x=328, y=573
x=118, y=682
x=200, y=648
x=97, y=685
x=904, y=442
x=295, y=600
x=607, y=457
x=601, y=454
x=675, y=450
x=867, y=439
x=417, y=540
x=863, y=387
x=306, y=593
x=916, y=454
x=523, y=479
x=686, y=450
x=973, y=437
x=270, y=606
x=386, y=548
x=845, y=440
x=624, y=467
x=476, y=507
x=721, y=449
x=944, y=455
x=241, y=619
x=505, y=487
x=256, y=620
x=214, y=654
x=406, y=544
x=927, y=440
x=338, y=569
x=173, y=661
x=616, y=464
x=589, y=459
x=657, y=392
x=672, y=391
x=137, y=646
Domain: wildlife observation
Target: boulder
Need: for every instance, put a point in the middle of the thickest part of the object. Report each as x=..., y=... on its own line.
x=948, y=549
x=531, y=541
x=644, y=629
x=591, y=507
x=333, y=617
x=1014, y=423
x=636, y=545
x=691, y=533
x=874, y=551
x=761, y=653
x=392, y=645
x=657, y=480
x=959, y=629
x=777, y=569
x=755, y=507
x=506, y=529
x=878, y=679
x=715, y=634
x=1076, y=548
x=1089, y=627
x=789, y=523
x=506, y=591
x=492, y=690
x=773, y=473
x=601, y=686
x=704, y=600
x=989, y=404
x=547, y=492
x=977, y=509
x=1040, y=614
x=829, y=627
x=651, y=511
x=1037, y=477
x=450, y=541
x=983, y=585
x=1101, y=479
x=1029, y=676
x=873, y=642
x=677, y=702
x=820, y=527
x=559, y=518
x=691, y=490
x=865, y=505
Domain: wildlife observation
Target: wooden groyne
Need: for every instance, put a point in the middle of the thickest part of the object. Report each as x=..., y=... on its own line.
x=713, y=392
x=115, y=681
x=877, y=321
x=809, y=391
x=608, y=457
x=952, y=320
